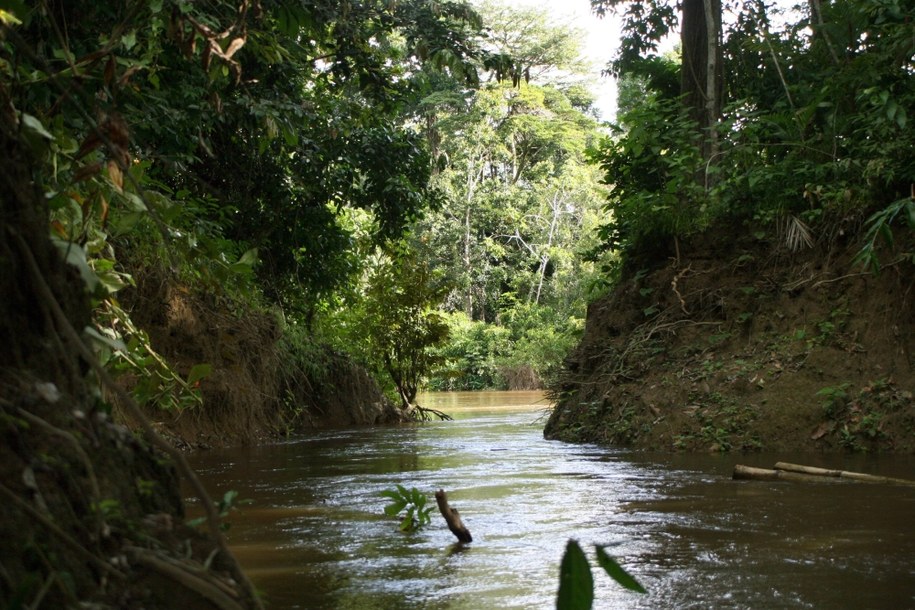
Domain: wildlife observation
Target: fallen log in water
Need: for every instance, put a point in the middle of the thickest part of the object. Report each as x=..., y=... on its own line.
x=844, y=474
x=765, y=474
x=452, y=517
x=798, y=473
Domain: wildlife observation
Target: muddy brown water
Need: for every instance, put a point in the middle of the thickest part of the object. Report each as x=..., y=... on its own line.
x=314, y=534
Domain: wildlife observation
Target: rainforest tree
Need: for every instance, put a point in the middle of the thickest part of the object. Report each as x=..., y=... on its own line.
x=812, y=134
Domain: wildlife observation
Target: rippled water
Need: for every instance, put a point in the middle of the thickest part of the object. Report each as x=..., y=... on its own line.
x=314, y=534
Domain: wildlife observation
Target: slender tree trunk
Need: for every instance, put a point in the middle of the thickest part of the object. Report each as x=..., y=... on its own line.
x=468, y=294
x=700, y=78
x=556, y=211
x=474, y=177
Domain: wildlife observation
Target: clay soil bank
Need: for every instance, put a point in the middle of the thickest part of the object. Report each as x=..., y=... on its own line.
x=747, y=346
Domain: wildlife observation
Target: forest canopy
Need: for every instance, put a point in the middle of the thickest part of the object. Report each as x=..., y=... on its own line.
x=356, y=167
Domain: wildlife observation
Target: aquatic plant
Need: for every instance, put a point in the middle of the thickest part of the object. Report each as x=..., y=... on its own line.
x=412, y=503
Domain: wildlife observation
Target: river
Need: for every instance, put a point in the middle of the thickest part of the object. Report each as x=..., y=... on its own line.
x=314, y=535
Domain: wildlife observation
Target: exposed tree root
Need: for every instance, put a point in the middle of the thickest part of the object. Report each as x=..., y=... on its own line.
x=197, y=580
x=427, y=413
x=75, y=341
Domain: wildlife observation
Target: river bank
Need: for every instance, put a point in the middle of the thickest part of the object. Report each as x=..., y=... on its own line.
x=746, y=346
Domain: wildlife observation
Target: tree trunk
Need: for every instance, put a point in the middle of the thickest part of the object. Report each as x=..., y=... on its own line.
x=700, y=76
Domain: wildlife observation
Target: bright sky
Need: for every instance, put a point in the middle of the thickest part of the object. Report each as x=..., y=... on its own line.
x=601, y=41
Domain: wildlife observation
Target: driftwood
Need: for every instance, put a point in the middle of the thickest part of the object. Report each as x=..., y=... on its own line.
x=798, y=473
x=843, y=474
x=452, y=517
x=765, y=474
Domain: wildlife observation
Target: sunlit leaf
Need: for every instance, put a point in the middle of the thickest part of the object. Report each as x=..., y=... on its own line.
x=116, y=344
x=34, y=125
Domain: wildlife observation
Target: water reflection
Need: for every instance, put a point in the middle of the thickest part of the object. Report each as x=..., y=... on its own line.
x=315, y=535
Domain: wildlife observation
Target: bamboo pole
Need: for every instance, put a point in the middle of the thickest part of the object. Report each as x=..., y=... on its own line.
x=844, y=474
x=799, y=473
x=452, y=517
x=765, y=474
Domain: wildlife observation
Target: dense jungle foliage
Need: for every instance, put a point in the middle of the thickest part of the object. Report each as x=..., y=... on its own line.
x=811, y=134
x=424, y=185
x=351, y=168
x=762, y=204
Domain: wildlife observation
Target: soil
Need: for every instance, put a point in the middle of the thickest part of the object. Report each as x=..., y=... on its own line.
x=747, y=346
x=259, y=387
x=92, y=516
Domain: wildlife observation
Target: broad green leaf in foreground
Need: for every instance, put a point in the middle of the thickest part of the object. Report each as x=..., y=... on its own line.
x=576, y=585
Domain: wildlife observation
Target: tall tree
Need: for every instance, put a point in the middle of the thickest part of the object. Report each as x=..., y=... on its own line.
x=700, y=76
x=646, y=23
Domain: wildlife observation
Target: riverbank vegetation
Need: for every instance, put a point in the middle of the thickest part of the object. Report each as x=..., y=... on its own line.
x=762, y=205
x=256, y=194
x=189, y=189
x=231, y=220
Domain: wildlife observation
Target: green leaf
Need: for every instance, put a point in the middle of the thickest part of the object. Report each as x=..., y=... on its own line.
x=407, y=524
x=75, y=255
x=129, y=40
x=112, y=281
x=617, y=572
x=245, y=263
x=34, y=125
x=113, y=343
x=393, y=509
x=8, y=18
x=576, y=585
x=198, y=372
x=248, y=258
x=127, y=222
x=134, y=203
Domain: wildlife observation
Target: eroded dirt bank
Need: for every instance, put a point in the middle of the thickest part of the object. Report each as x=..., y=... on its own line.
x=261, y=385
x=92, y=515
x=747, y=347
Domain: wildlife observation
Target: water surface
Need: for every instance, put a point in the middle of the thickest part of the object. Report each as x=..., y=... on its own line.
x=315, y=536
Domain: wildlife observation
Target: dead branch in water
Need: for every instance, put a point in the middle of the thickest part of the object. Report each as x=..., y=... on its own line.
x=426, y=414
x=844, y=474
x=452, y=517
x=784, y=471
